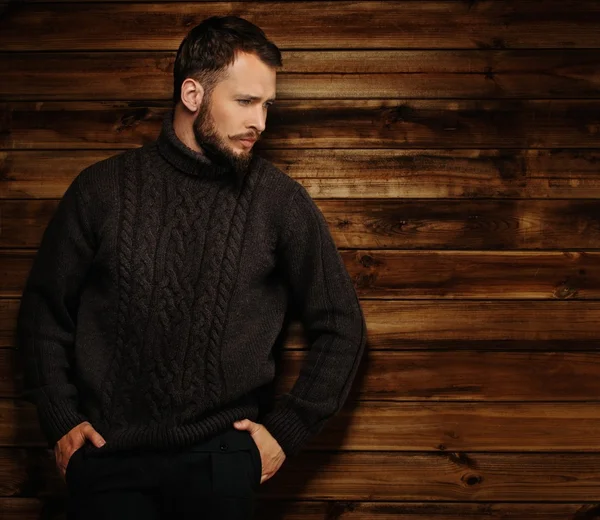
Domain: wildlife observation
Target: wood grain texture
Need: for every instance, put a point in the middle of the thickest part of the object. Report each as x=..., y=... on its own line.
x=473, y=274
x=359, y=173
x=394, y=24
x=350, y=510
x=317, y=75
x=453, y=149
x=392, y=274
x=433, y=376
x=273, y=509
x=405, y=224
x=390, y=426
x=303, y=124
x=449, y=476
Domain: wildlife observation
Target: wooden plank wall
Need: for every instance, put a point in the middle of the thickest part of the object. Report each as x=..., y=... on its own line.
x=453, y=147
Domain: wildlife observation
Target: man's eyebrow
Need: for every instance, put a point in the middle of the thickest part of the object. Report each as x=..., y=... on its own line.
x=254, y=98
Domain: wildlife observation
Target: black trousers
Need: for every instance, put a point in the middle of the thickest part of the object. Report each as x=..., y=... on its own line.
x=217, y=479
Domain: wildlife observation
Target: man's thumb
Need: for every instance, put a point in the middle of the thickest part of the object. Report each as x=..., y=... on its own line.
x=242, y=425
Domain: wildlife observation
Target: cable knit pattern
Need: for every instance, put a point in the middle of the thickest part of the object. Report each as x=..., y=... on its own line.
x=124, y=255
x=158, y=390
x=158, y=293
x=228, y=270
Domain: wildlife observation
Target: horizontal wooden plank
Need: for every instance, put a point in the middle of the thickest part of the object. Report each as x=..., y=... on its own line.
x=468, y=375
x=380, y=426
x=427, y=274
x=400, y=24
x=499, y=325
x=451, y=476
x=273, y=509
x=456, y=325
x=459, y=476
x=309, y=510
x=435, y=376
x=359, y=173
x=472, y=274
x=385, y=426
x=552, y=73
x=302, y=124
x=457, y=224
x=406, y=224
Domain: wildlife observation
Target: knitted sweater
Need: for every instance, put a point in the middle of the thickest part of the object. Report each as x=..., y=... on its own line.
x=158, y=292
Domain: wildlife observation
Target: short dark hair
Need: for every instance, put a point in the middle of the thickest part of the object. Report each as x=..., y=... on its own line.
x=211, y=46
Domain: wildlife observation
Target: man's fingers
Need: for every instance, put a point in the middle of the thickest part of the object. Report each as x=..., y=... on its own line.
x=94, y=436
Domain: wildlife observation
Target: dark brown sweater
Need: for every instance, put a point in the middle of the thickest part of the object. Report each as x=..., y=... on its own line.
x=159, y=290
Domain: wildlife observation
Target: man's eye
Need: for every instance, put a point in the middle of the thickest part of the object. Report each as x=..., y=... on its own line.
x=244, y=101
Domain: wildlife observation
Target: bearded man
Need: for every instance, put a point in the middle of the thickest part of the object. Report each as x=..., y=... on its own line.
x=149, y=320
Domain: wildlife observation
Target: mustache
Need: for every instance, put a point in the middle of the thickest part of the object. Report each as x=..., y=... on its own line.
x=250, y=136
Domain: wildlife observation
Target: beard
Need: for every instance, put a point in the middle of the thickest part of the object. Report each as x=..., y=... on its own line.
x=214, y=146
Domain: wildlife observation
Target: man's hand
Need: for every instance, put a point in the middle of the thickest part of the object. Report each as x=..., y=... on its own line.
x=272, y=455
x=72, y=441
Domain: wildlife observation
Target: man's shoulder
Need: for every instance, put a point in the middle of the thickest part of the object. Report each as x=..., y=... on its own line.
x=288, y=198
x=109, y=164
x=273, y=176
x=102, y=174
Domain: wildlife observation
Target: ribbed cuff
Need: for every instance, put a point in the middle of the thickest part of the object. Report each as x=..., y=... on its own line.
x=57, y=419
x=287, y=428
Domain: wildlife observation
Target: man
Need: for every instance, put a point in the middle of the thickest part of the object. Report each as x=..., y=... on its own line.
x=149, y=318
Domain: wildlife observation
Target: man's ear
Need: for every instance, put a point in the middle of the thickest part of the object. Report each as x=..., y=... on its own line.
x=192, y=94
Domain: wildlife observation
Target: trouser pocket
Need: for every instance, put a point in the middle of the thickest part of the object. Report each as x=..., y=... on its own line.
x=73, y=461
x=233, y=453
x=257, y=462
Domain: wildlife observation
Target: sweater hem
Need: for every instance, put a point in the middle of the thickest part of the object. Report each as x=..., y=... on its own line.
x=161, y=437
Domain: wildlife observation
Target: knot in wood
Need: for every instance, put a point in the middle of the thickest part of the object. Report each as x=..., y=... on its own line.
x=366, y=260
x=472, y=480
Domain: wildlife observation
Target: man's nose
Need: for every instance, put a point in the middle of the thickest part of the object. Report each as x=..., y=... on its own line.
x=259, y=119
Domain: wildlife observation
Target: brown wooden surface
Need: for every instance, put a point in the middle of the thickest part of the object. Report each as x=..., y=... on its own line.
x=453, y=148
x=301, y=124
x=448, y=476
x=399, y=24
x=406, y=224
x=359, y=173
x=435, y=376
x=427, y=274
x=457, y=325
x=31, y=508
x=474, y=274
x=318, y=75
x=452, y=476
x=410, y=426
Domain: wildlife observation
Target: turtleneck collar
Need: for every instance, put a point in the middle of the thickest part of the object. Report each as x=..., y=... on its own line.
x=183, y=157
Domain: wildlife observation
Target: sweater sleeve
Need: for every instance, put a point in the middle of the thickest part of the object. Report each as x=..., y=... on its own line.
x=333, y=322
x=47, y=315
